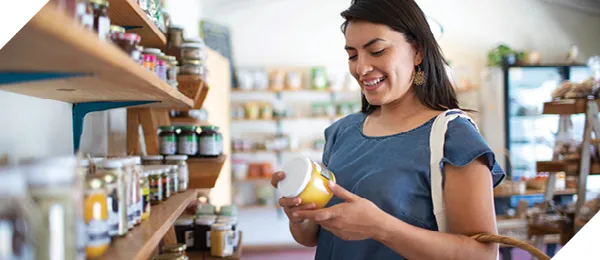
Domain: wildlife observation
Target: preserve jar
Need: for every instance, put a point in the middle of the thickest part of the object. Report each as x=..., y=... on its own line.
x=114, y=172
x=161, y=69
x=192, y=51
x=166, y=183
x=173, y=179
x=210, y=141
x=175, y=36
x=192, y=67
x=101, y=19
x=156, y=186
x=126, y=41
x=172, y=69
x=136, y=189
x=149, y=61
x=202, y=232
x=182, y=170
x=184, y=230
x=221, y=240
x=167, y=140
x=187, y=142
x=96, y=216
x=307, y=180
x=19, y=216
x=152, y=160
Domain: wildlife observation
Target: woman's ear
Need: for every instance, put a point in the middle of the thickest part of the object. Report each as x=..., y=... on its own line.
x=418, y=54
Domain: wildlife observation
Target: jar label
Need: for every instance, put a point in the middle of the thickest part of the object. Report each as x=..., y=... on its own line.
x=113, y=217
x=156, y=190
x=209, y=145
x=130, y=215
x=146, y=199
x=168, y=145
x=189, y=238
x=187, y=145
x=166, y=188
x=208, y=239
x=104, y=28
x=174, y=184
x=97, y=231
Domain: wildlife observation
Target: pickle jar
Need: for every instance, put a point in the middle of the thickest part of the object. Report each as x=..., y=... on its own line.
x=210, y=142
x=156, y=186
x=166, y=182
x=114, y=172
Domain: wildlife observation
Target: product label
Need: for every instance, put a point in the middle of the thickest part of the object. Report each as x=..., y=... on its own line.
x=166, y=187
x=130, y=216
x=104, y=28
x=228, y=243
x=146, y=199
x=187, y=145
x=57, y=239
x=97, y=231
x=81, y=238
x=174, y=184
x=208, y=239
x=183, y=177
x=87, y=21
x=209, y=145
x=168, y=144
x=189, y=238
x=113, y=216
x=156, y=191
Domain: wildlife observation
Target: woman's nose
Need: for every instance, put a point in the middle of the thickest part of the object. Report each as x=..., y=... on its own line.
x=363, y=66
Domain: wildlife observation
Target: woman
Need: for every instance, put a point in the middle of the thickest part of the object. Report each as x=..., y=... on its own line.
x=380, y=156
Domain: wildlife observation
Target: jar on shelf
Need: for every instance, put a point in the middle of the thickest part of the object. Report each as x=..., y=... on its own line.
x=187, y=142
x=136, y=55
x=182, y=169
x=114, y=176
x=156, y=186
x=19, y=217
x=149, y=61
x=145, y=190
x=152, y=160
x=175, y=36
x=167, y=140
x=210, y=141
x=116, y=29
x=172, y=71
x=126, y=41
x=101, y=19
x=166, y=183
x=221, y=240
x=136, y=191
x=96, y=216
x=173, y=179
x=202, y=232
x=192, y=51
x=192, y=67
x=84, y=14
x=52, y=186
x=161, y=69
x=184, y=231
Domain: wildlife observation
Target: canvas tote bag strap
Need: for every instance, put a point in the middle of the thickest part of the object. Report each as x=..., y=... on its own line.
x=436, y=147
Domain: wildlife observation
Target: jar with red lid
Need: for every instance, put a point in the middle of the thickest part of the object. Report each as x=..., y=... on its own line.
x=126, y=41
x=149, y=61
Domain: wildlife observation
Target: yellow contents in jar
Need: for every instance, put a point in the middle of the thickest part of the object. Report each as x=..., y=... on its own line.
x=96, y=217
x=308, y=181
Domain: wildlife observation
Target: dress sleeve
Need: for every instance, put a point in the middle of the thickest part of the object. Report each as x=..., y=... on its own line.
x=330, y=133
x=464, y=144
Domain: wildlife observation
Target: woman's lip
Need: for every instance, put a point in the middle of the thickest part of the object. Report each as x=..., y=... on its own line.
x=374, y=87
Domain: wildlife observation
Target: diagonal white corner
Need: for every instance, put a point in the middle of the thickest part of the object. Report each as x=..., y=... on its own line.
x=584, y=245
x=14, y=15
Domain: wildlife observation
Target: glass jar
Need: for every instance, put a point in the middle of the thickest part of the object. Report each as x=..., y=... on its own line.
x=126, y=41
x=187, y=142
x=182, y=169
x=307, y=180
x=173, y=179
x=221, y=240
x=145, y=187
x=167, y=140
x=166, y=183
x=152, y=160
x=149, y=61
x=156, y=186
x=192, y=67
x=136, y=189
x=101, y=19
x=84, y=14
x=202, y=232
x=184, y=231
x=96, y=216
x=172, y=71
x=161, y=69
x=136, y=55
x=210, y=141
x=52, y=186
x=114, y=172
x=19, y=218
x=175, y=36
x=192, y=51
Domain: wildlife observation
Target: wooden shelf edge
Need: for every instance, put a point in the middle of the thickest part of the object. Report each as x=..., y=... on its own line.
x=204, y=172
x=141, y=241
x=571, y=168
x=567, y=106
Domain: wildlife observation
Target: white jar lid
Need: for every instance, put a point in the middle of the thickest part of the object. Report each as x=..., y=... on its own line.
x=52, y=170
x=220, y=226
x=135, y=159
x=176, y=157
x=205, y=220
x=184, y=221
x=113, y=163
x=152, y=157
x=297, y=175
x=84, y=163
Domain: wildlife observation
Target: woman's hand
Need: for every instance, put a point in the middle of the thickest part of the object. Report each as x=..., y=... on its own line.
x=354, y=219
x=290, y=205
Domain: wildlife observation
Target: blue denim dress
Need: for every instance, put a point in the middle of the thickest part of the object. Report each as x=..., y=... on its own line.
x=392, y=172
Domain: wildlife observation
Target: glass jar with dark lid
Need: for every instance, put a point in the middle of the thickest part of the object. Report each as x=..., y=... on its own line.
x=101, y=19
x=187, y=142
x=167, y=140
x=210, y=141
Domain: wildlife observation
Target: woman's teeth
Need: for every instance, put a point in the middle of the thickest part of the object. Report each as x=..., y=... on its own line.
x=374, y=82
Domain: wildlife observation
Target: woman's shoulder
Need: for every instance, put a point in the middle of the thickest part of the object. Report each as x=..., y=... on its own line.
x=346, y=121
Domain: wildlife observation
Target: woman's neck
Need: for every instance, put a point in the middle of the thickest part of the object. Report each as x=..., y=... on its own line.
x=403, y=108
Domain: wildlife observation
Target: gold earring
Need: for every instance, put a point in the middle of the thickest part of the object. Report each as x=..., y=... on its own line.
x=419, y=78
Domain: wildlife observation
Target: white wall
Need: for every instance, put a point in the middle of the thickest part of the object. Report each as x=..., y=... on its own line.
x=307, y=33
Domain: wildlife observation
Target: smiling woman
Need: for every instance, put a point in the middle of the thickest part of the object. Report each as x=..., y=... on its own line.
x=411, y=167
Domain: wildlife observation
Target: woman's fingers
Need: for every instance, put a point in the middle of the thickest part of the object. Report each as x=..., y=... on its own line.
x=289, y=202
x=276, y=178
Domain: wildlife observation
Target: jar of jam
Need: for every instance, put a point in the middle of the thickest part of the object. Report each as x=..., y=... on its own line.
x=149, y=61
x=173, y=179
x=156, y=186
x=136, y=55
x=167, y=140
x=192, y=51
x=210, y=141
x=192, y=67
x=182, y=169
x=145, y=187
x=187, y=142
x=172, y=70
x=101, y=19
x=96, y=216
x=161, y=69
x=126, y=41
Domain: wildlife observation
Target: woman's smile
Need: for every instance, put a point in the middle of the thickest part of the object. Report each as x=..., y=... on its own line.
x=371, y=84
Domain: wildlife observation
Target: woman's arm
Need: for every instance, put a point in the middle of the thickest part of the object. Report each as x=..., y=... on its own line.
x=469, y=199
x=305, y=233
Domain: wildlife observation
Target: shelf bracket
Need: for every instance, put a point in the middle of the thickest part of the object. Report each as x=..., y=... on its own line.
x=20, y=77
x=81, y=109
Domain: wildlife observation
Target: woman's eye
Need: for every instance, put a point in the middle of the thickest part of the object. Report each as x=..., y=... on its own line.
x=376, y=53
x=353, y=57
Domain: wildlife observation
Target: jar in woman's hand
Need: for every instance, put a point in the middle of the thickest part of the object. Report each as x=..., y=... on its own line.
x=307, y=180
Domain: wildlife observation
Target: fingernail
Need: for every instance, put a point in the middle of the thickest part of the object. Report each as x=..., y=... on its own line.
x=331, y=184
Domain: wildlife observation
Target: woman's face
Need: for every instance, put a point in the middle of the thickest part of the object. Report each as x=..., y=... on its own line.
x=381, y=60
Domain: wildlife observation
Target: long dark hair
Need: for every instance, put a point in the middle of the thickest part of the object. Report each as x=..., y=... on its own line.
x=406, y=17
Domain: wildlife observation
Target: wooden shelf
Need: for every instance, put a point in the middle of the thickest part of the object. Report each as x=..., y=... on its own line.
x=535, y=192
x=204, y=172
x=206, y=255
x=129, y=13
x=142, y=240
x=571, y=168
x=566, y=106
x=96, y=71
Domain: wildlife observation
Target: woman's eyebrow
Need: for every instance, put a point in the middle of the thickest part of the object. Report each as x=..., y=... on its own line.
x=371, y=42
